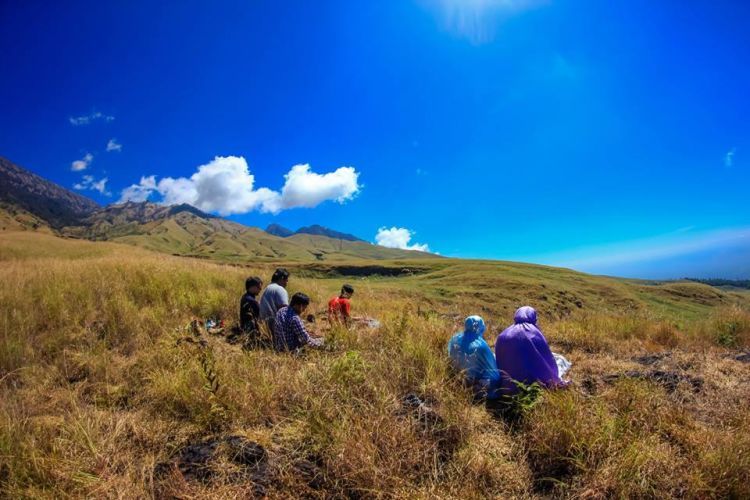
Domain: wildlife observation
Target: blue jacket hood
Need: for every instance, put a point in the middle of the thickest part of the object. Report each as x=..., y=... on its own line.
x=474, y=326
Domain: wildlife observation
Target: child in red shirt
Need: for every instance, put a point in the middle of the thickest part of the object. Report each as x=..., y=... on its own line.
x=339, y=308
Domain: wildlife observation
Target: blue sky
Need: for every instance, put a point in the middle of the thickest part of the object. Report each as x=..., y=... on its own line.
x=612, y=137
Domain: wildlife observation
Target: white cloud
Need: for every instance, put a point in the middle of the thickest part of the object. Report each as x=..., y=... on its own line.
x=113, y=145
x=88, y=182
x=304, y=188
x=83, y=163
x=398, y=237
x=226, y=186
x=86, y=119
x=729, y=157
x=139, y=192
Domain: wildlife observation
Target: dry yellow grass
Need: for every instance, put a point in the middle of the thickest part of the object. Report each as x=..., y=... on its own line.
x=96, y=390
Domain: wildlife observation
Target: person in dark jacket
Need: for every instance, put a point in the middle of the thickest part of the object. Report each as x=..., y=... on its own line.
x=249, y=307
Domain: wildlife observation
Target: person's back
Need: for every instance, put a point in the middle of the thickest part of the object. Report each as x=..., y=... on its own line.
x=274, y=297
x=470, y=354
x=289, y=332
x=523, y=354
x=339, y=308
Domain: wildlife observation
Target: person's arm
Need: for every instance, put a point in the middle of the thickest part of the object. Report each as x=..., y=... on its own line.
x=301, y=333
x=282, y=298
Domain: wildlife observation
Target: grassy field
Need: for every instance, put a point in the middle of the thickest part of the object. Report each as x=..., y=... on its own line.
x=99, y=392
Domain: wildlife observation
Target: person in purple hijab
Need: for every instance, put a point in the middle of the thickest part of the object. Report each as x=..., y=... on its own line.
x=523, y=355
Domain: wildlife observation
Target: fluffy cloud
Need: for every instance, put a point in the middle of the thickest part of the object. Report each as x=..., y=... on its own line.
x=398, y=237
x=86, y=119
x=304, y=188
x=83, y=163
x=113, y=145
x=88, y=182
x=226, y=186
x=139, y=192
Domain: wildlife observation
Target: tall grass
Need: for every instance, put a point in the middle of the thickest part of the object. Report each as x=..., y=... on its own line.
x=96, y=389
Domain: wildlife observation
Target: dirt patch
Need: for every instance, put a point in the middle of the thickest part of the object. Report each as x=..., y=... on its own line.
x=431, y=424
x=363, y=271
x=312, y=470
x=670, y=380
x=652, y=359
x=207, y=459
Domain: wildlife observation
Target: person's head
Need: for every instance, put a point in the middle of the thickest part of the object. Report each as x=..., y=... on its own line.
x=347, y=291
x=525, y=314
x=280, y=277
x=299, y=302
x=474, y=325
x=253, y=285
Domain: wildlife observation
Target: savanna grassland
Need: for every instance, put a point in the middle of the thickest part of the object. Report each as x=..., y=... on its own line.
x=100, y=392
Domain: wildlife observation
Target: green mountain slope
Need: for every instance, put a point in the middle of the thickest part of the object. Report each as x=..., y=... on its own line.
x=24, y=190
x=14, y=218
x=185, y=230
x=329, y=249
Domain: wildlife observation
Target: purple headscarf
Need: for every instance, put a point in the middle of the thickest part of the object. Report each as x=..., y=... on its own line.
x=523, y=354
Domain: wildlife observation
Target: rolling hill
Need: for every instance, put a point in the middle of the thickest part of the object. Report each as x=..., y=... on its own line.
x=28, y=201
x=185, y=230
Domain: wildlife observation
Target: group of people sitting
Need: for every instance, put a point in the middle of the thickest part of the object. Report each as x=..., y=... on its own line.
x=282, y=317
x=522, y=356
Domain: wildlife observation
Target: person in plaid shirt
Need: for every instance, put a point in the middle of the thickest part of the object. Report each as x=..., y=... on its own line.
x=289, y=332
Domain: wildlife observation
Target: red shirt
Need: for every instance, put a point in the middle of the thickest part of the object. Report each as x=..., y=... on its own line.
x=339, y=308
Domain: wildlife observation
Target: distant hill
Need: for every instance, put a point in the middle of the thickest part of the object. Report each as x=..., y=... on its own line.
x=27, y=201
x=279, y=230
x=23, y=190
x=717, y=282
x=136, y=213
x=185, y=230
x=14, y=218
x=316, y=230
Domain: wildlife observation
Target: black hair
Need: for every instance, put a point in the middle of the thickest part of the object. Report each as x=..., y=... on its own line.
x=347, y=289
x=253, y=281
x=299, y=298
x=279, y=275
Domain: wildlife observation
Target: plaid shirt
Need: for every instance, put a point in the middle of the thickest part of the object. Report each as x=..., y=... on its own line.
x=288, y=332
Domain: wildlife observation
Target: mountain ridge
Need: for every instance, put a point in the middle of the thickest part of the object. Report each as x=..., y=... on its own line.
x=175, y=229
x=52, y=203
x=315, y=229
